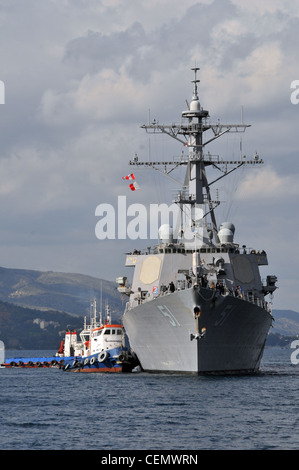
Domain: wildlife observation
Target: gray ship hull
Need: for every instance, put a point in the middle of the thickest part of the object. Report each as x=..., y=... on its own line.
x=160, y=333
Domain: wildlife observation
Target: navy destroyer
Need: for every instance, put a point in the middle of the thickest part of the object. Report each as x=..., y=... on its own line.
x=197, y=302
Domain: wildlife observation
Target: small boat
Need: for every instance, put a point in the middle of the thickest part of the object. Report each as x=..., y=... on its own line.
x=102, y=347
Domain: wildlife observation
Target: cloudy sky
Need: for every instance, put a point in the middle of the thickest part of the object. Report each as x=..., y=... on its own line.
x=80, y=78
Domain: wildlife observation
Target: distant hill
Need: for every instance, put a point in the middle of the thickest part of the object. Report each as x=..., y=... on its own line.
x=25, y=328
x=286, y=322
x=66, y=292
x=36, y=307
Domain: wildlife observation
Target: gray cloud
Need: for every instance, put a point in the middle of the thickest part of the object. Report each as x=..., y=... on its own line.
x=97, y=51
x=81, y=77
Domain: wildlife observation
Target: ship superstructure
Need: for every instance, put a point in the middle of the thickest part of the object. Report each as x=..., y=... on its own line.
x=197, y=302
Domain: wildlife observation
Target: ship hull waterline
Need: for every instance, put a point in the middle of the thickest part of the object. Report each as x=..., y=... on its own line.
x=160, y=333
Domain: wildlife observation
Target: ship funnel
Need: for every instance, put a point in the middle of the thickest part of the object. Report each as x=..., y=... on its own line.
x=166, y=233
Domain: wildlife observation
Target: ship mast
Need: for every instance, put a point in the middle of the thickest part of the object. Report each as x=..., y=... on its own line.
x=198, y=186
x=196, y=195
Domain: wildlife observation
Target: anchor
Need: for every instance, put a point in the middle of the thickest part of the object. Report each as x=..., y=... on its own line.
x=199, y=334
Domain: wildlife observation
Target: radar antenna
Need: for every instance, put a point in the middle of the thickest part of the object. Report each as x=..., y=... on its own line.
x=196, y=80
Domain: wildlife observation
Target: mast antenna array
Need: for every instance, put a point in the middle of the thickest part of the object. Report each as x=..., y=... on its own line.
x=196, y=80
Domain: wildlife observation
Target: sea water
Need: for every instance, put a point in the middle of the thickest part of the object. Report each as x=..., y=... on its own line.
x=48, y=409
